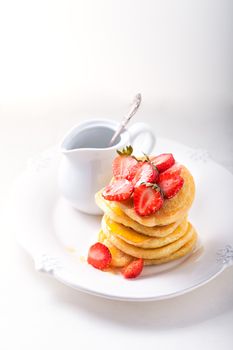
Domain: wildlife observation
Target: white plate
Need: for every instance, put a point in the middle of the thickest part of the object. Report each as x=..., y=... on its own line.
x=58, y=237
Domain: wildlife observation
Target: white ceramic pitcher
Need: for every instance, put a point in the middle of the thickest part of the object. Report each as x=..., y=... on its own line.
x=86, y=164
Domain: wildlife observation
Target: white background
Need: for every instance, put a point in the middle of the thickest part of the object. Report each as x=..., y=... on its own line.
x=65, y=61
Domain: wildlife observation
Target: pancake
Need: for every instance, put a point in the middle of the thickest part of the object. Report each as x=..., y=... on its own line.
x=139, y=240
x=120, y=259
x=155, y=253
x=184, y=250
x=171, y=210
x=116, y=214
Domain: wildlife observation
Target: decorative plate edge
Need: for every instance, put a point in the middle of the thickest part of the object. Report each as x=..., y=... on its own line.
x=225, y=256
x=48, y=264
x=199, y=155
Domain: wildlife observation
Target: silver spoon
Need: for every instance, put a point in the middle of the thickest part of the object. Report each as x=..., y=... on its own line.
x=133, y=109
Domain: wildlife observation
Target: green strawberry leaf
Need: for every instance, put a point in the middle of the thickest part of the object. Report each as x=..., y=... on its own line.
x=127, y=151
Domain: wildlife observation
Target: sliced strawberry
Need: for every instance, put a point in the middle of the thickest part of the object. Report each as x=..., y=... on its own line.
x=170, y=184
x=99, y=256
x=134, y=269
x=119, y=190
x=124, y=167
x=147, y=199
x=163, y=161
x=145, y=172
x=175, y=169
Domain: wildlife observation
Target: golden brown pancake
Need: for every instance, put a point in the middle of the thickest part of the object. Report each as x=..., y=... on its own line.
x=172, y=209
x=139, y=240
x=184, y=250
x=113, y=211
x=120, y=259
x=155, y=253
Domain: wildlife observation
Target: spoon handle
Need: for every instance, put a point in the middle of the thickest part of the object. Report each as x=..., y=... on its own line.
x=133, y=109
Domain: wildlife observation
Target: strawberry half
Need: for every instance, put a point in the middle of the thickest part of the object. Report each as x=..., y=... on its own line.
x=145, y=172
x=124, y=167
x=147, y=199
x=99, y=256
x=119, y=190
x=175, y=169
x=163, y=161
x=134, y=269
x=170, y=184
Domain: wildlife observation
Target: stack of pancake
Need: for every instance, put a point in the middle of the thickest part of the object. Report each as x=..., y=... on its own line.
x=158, y=238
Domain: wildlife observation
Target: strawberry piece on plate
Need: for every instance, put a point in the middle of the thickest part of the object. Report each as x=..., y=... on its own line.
x=134, y=269
x=119, y=190
x=147, y=199
x=170, y=184
x=124, y=167
x=145, y=172
x=163, y=161
x=99, y=256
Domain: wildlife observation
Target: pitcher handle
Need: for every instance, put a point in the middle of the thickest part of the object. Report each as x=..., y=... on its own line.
x=146, y=143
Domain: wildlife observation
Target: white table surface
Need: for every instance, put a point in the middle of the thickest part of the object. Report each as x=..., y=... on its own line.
x=37, y=312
